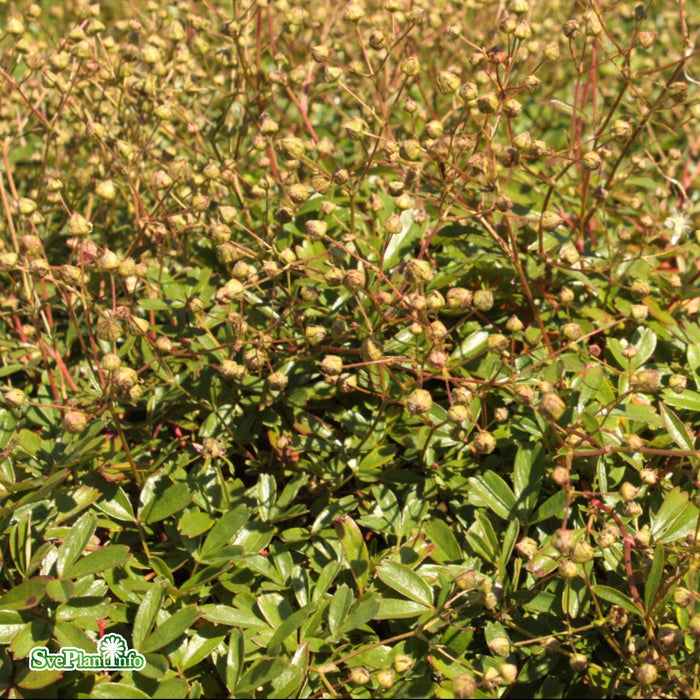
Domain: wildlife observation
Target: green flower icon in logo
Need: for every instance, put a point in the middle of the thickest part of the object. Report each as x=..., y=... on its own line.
x=110, y=647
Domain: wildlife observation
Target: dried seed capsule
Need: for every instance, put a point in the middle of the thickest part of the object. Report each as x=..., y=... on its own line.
x=484, y=443
x=332, y=365
x=483, y=300
x=418, y=271
x=419, y=401
x=402, y=663
x=74, y=422
x=646, y=380
x=354, y=280
x=464, y=686
x=551, y=406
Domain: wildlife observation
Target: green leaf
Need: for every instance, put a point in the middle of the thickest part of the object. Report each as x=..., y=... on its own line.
x=262, y=672
x=676, y=518
x=200, y=645
x=406, y=582
x=225, y=529
x=75, y=542
x=470, y=347
x=117, y=690
x=235, y=656
x=676, y=429
x=644, y=339
x=591, y=383
x=288, y=627
x=447, y=548
x=105, y=558
x=528, y=469
x=612, y=595
x=170, y=630
x=267, y=496
x=146, y=614
x=171, y=500
x=194, y=523
x=653, y=581
x=25, y=595
x=60, y=590
x=364, y=610
x=233, y=617
x=399, y=608
x=491, y=491
x=354, y=548
x=338, y=608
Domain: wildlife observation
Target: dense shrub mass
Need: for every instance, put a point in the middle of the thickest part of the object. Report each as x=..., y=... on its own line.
x=351, y=349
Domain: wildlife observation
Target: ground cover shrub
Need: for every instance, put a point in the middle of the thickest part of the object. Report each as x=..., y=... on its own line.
x=350, y=349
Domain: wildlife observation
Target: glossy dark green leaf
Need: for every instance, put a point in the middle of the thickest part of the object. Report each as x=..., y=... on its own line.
x=75, y=542
x=25, y=595
x=105, y=558
x=170, y=630
x=406, y=582
x=355, y=550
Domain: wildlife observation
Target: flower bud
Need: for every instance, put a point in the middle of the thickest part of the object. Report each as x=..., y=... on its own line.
x=487, y=104
x=463, y=686
x=677, y=383
x=418, y=402
x=74, y=422
x=527, y=547
x=639, y=312
x=410, y=66
x=646, y=380
x=551, y=406
x=277, y=381
x=550, y=221
x=315, y=335
x=646, y=39
x=551, y=52
x=640, y=288
x=646, y=674
x=370, y=350
x=499, y=645
x=563, y=541
x=483, y=300
x=354, y=280
x=582, y=553
x=459, y=298
x=418, y=271
x=359, y=676
x=571, y=331
x=332, y=365
x=484, y=443
x=402, y=663
x=578, y=662
x=622, y=130
x=497, y=343
x=448, y=83
x=457, y=413
x=14, y=398
x=315, y=229
x=628, y=491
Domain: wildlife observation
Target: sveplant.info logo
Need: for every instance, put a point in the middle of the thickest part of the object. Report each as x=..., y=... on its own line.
x=113, y=654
